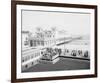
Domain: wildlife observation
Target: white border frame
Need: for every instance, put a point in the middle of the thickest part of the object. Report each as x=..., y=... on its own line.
x=53, y=73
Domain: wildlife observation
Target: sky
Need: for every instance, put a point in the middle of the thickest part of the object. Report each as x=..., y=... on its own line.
x=72, y=23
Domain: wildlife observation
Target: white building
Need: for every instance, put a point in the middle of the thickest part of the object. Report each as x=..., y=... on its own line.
x=43, y=38
x=25, y=39
x=30, y=57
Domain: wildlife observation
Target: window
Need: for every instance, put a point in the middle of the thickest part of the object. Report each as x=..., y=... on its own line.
x=67, y=51
x=26, y=66
x=32, y=56
x=32, y=63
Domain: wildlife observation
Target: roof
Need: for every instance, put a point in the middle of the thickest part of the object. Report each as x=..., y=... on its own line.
x=25, y=31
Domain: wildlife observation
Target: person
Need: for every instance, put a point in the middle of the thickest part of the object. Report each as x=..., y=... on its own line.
x=86, y=54
x=59, y=51
x=67, y=51
x=79, y=52
x=73, y=53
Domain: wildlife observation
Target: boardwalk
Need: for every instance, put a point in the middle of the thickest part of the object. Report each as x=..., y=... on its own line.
x=63, y=64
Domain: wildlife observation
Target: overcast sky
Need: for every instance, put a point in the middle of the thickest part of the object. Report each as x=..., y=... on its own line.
x=73, y=23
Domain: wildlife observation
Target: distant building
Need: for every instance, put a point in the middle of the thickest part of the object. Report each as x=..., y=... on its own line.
x=25, y=39
x=43, y=38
